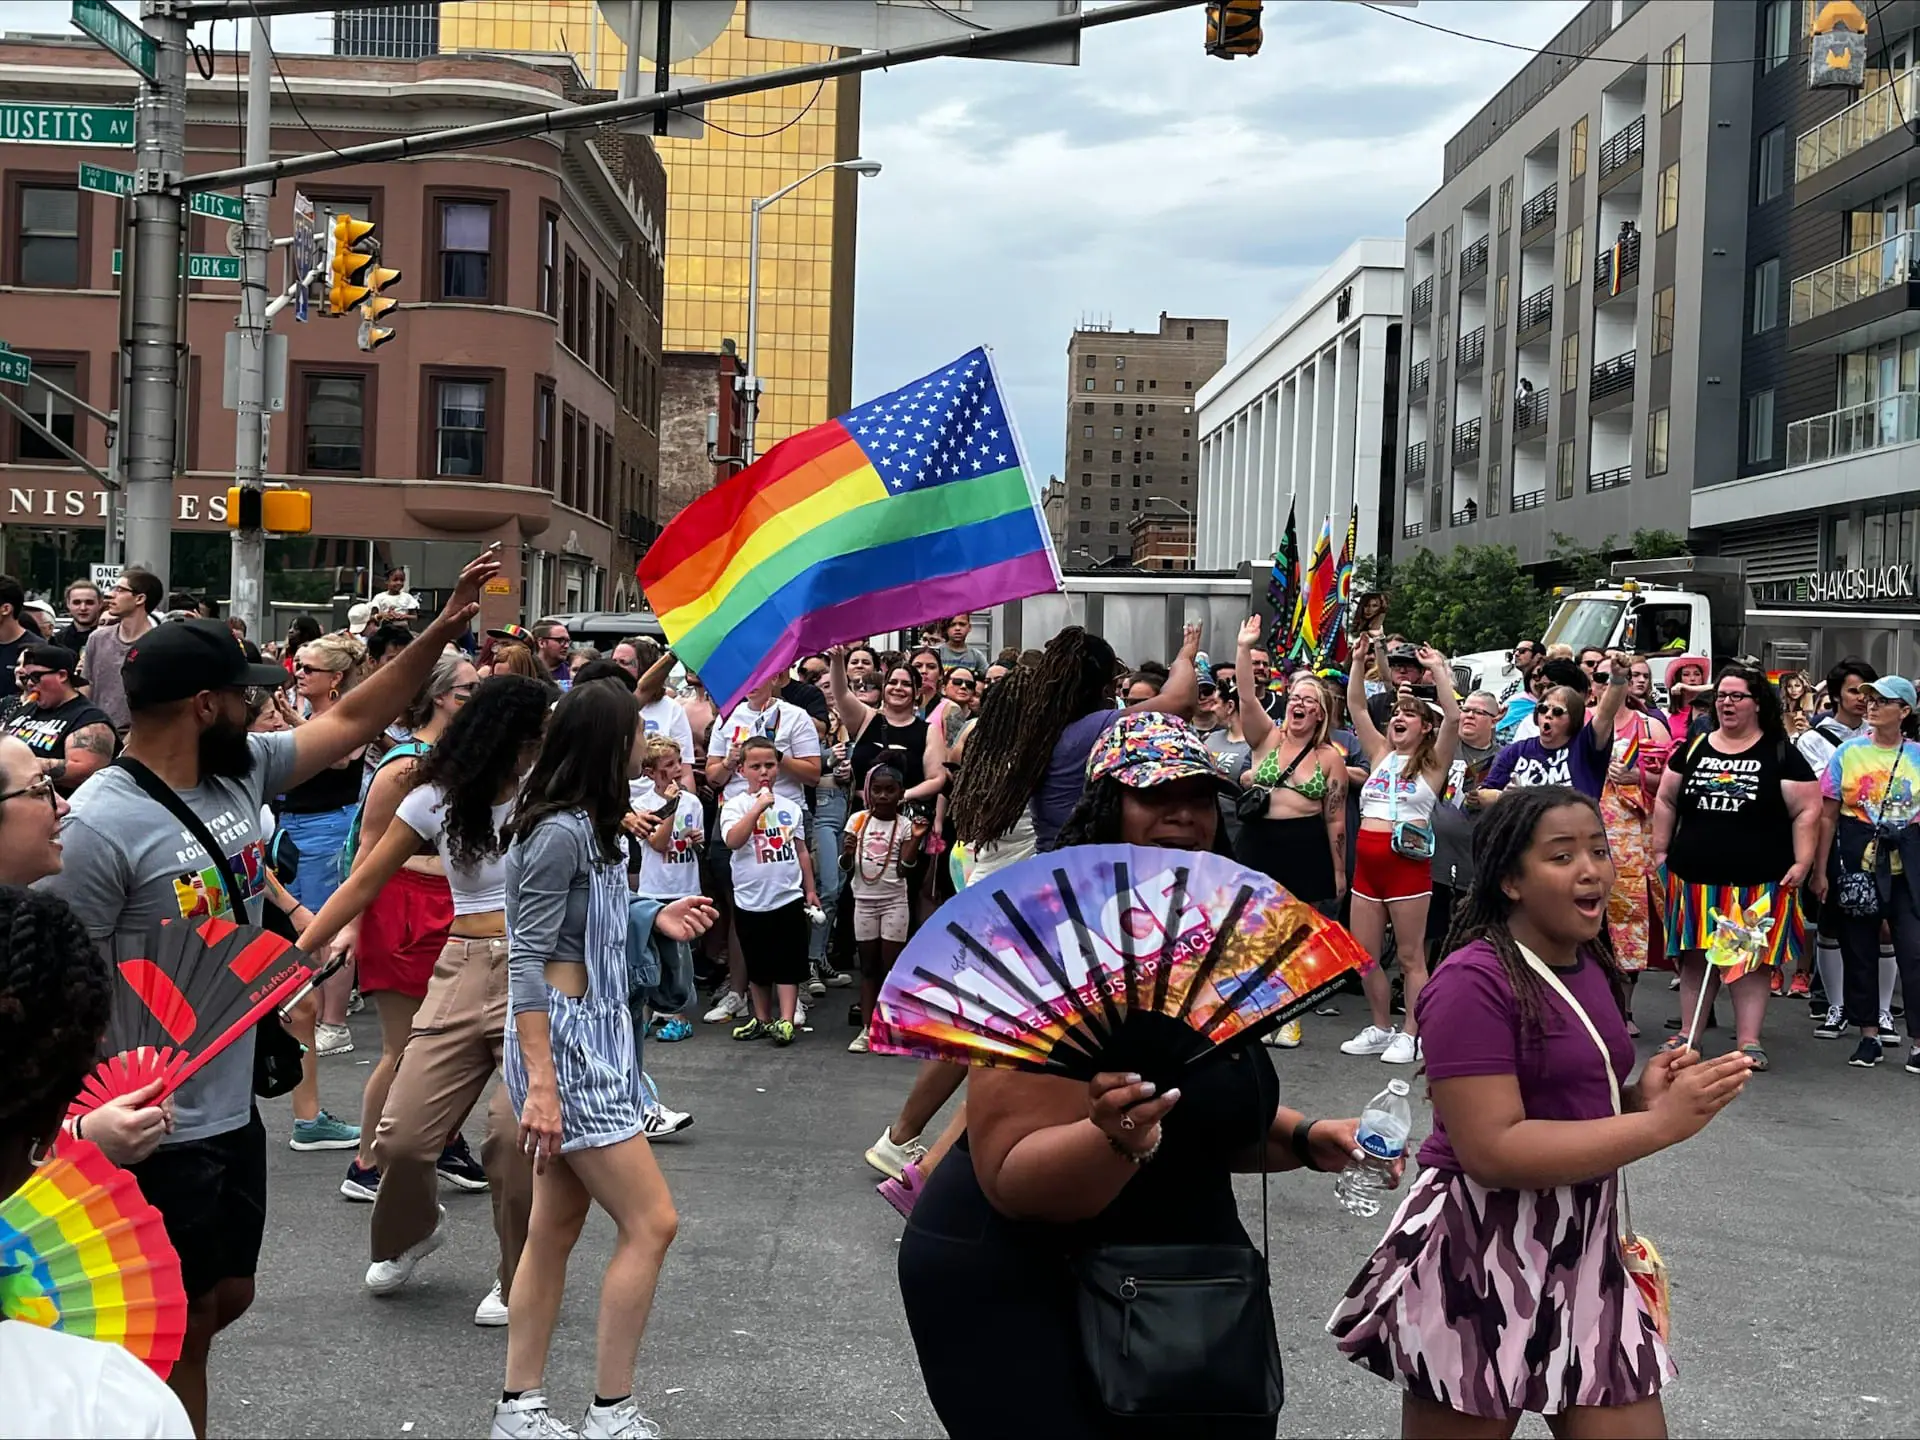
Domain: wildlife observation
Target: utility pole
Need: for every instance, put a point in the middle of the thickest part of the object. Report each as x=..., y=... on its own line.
x=151, y=429
x=248, y=591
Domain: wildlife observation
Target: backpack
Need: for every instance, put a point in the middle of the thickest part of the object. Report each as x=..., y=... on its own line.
x=352, y=844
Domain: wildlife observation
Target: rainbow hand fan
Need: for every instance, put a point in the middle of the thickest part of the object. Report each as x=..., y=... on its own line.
x=81, y=1251
x=182, y=994
x=1108, y=957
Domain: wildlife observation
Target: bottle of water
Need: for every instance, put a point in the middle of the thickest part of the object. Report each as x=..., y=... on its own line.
x=1384, y=1127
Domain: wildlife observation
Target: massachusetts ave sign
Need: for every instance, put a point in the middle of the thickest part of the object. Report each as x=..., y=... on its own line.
x=66, y=125
x=115, y=31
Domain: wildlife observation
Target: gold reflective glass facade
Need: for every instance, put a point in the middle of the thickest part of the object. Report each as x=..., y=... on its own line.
x=777, y=136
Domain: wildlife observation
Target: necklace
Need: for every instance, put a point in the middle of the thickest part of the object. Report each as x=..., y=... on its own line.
x=886, y=855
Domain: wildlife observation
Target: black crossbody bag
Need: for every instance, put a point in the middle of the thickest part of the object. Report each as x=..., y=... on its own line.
x=1251, y=802
x=276, y=1054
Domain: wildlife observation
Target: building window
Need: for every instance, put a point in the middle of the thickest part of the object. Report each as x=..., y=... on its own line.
x=1499, y=395
x=1577, y=149
x=1493, y=488
x=1087, y=408
x=1119, y=385
x=1087, y=384
x=549, y=260
x=1766, y=295
x=1086, y=454
x=1570, y=362
x=1092, y=361
x=460, y=427
x=1446, y=250
x=1119, y=362
x=1576, y=254
x=1663, y=320
x=1086, y=479
x=1086, y=502
x=333, y=424
x=1506, y=203
x=1116, y=457
x=1085, y=526
x=1776, y=35
x=1119, y=409
x=1563, y=481
x=543, y=413
x=466, y=250
x=1115, y=479
x=51, y=410
x=1086, y=432
x=1669, y=213
x=1500, y=302
x=1672, y=74
x=1113, y=527
x=1760, y=427
x=1658, y=424
x=49, y=236
x=1770, y=171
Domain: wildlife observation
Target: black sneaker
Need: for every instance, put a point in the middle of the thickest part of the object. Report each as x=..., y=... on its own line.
x=458, y=1167
x=854, y=1017
x=1833, y=1026
x=362, y=1182
x=1913, y=1061
x=1866, y=1054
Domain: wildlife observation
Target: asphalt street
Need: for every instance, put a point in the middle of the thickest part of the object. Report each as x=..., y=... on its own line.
x=1788, y=1225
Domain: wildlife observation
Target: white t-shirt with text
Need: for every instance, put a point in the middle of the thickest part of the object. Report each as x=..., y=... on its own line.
x=766, y=870
x=676, y=874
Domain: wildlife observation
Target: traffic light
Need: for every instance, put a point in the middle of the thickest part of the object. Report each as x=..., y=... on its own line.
x=350, y=249
x=376, y=278
x=1233, y=28
x=274, y=508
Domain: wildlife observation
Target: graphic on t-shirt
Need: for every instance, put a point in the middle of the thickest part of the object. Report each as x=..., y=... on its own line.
x=199, y=893
x=1723, y=784
x=1553, y=768
x=772, y=841
x=683, y=844
x=1858, y=775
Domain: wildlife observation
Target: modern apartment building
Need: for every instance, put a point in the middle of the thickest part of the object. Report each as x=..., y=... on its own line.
x=1573, y=355
x=1131, y=433
x=1307, y=416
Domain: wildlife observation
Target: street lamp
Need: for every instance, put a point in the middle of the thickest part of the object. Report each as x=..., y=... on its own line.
x=862, y=167
x=1193, y=538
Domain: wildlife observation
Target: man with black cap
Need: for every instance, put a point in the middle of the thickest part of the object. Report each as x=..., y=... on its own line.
x=130, y=863
x=1404, y=671
x=60, y=725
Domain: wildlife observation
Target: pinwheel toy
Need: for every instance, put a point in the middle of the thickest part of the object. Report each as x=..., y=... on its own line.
x=1736, y=946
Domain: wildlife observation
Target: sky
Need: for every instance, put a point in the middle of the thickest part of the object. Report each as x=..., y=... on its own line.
x=1017, y=199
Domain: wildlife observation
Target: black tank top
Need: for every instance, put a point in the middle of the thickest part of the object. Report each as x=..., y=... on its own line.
x=334, y=788
x=904, y=747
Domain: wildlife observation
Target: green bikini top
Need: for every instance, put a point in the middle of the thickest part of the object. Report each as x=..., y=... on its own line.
x=1267, y=773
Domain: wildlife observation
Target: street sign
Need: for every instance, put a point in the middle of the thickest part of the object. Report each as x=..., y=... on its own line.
x=273, y=392
x=201, y=267
x=220, y=207
x=115, y=31
x=107, y=182
x=304, y=240
x=105, y=576
x=66, y=125
x=15, y=368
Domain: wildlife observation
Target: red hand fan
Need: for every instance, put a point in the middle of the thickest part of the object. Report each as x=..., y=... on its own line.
x=181, y=996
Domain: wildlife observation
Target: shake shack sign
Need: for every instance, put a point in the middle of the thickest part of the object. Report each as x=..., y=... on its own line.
x=1865, y=586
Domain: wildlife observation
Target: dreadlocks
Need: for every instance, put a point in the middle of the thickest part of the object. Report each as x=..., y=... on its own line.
x=1019, y=724
x=1499, y=850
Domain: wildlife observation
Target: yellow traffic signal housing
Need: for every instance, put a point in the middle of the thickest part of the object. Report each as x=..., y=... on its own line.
x=350, y=248
x=373, y=334
x=1233, y=28
x=282, y=511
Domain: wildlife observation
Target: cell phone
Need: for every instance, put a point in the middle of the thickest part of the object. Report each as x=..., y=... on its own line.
x=1424, y=692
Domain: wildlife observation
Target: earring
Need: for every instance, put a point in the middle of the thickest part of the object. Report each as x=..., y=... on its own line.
x=37, y=1157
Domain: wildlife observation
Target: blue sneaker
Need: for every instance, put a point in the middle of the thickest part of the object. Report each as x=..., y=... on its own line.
x=671, y=1029
x=362, y=1182
x=323, y=1132
x=458, y=1167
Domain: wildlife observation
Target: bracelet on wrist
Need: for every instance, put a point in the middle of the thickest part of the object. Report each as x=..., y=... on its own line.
x=1302, y=1144
x=1139, y=1157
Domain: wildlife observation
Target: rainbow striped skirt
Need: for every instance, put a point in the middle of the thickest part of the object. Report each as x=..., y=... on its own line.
x=1690, y=910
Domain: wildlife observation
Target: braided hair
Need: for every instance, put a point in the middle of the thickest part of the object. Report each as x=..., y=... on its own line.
x=54, y=998
x=1020, y=722
x=1499, y=850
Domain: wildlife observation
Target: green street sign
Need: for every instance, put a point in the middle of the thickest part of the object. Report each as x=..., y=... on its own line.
x=115, y=31
x=15, y=369
x=107, y=182
x=220, y=207
x=201, y=267
x=66, y=125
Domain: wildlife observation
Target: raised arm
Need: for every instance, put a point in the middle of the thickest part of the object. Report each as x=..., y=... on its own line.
x=854, y=715
x=1613, y=696
x=1254, y=724
x=1364, y=730
x=653, y=683
x=1182, y=690
x=1448, y=741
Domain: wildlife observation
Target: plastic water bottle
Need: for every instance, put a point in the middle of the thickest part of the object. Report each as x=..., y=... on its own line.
x=1384, y=1127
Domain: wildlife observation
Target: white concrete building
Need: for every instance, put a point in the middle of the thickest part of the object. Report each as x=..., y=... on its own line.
x=1306, y=412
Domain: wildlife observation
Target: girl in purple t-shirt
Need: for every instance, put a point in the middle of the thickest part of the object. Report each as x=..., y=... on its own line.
x=1499, y=1286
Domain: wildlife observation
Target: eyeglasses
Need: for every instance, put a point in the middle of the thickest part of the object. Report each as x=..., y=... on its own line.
x=30, y=676
x=1730, y=697
x=40, y=788
x=1884, y=700
x=813, y=677
x=1554, y=712
x=463, y=692
x=1483, y=714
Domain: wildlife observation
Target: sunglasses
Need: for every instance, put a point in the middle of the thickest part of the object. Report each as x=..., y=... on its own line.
x=961, y=684
x=1555, y=712
x=464, y=692
x=300, y=667
x=40, y=788
x=32, y=675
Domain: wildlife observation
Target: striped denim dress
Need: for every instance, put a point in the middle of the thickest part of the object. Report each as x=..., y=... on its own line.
x=594, y=1064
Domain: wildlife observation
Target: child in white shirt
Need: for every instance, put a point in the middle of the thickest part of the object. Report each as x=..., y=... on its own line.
x=772, y=890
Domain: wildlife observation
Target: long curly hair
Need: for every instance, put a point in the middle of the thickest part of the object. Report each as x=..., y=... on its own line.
x=1019, y=723
x=54, y=999
x=583, y=765
x=1499, y=851
x=477, y=755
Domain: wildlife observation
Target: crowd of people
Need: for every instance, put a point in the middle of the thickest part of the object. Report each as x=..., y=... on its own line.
x=533, y=860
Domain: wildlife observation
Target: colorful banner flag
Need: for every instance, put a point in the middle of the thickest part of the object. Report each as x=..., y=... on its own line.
x=917, y=503
x=1316, y=595
x=1337, y=650
x=1283, y=584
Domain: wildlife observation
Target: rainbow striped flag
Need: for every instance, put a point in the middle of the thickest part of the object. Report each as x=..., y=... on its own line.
x=1315, y=599
x=918, y=503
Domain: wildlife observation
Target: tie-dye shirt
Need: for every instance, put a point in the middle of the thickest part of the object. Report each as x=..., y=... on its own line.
x=1858, y=777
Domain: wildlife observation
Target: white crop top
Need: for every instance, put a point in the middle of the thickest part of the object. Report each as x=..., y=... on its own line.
x=1415, y=799
x=478, y=889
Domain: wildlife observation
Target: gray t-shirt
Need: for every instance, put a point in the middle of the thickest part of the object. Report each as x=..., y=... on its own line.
x=129, y=865
x=549, y=882
x=106, y=653
x=971, y=656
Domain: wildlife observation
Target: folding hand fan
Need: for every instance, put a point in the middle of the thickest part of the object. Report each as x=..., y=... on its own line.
x=181, y=996
x=82, y=1251
x=1108, y=957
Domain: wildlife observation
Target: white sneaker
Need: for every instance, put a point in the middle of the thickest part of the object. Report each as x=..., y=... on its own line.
x=491, y=1312
x=891, y=1159
x=858, y=1045
x=657, y=1122
x=386, y=1276
x=1287, y=1037
x=332, y=1040
x=1370, y=1041
x=618, y=1422
x=800, y=1013
x=1403, y=1049
x=1889, y=1032
x=730, y=1006
x=528, y=1418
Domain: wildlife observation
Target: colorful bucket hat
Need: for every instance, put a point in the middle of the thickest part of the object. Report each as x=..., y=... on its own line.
x=514, y=632
x=1142, y=749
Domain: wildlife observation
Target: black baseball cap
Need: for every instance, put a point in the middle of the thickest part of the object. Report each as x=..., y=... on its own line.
x=174, y=662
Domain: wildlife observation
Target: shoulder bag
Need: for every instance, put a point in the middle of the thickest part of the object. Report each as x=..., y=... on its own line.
x=276, y=1054
x=1858, y=893
x=1251, y=802
x=1644, y=1267
x=1411, y=839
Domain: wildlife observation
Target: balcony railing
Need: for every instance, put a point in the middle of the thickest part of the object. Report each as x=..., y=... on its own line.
x=1466, y=442
x=1879, y=112
x=1611, y=479
x=1473, y=261
x=1529, y=411
x=1540, y=209
x=1892, y=420
x=1623, y=256
x=1416, y=459
x=1465, y=515
x=1623, y=147
x=1531, y=501
x=1537, y=308
x=1610, y=377
x=1860, y=275
x=1423, y=298
x=1412, y=530
x=1419, y=379
x=1472, y=348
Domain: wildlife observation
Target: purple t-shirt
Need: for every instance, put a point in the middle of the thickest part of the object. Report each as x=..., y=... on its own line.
x=1579, y=763
x=1470, y=1025
x=1066, y=777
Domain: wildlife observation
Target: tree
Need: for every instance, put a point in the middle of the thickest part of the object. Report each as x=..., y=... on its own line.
x=1580, y=565
x=1658, y=544
x=1477, y=598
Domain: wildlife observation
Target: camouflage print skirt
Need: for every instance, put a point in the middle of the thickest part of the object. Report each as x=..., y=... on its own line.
x=1492, y=1302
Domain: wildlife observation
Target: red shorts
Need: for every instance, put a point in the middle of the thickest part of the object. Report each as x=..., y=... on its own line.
x=402, y=932
x=1379, y=873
